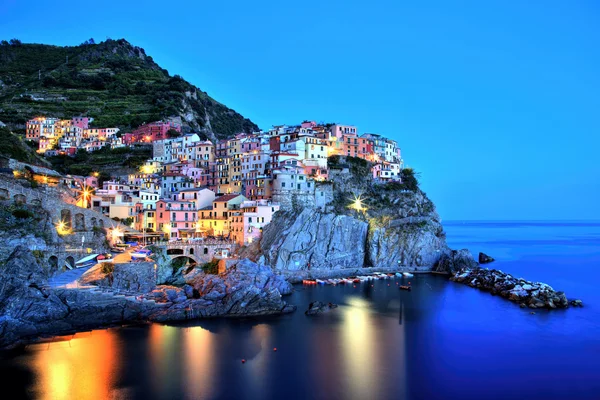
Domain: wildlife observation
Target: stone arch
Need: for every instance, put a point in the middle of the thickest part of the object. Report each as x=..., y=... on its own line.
x=175, y=252
x=71, y=261
x=181, y=261
x=191, y=251
x=53, y=264
x=20, y=199
x=4, y=194
x=79, y=222
x=65, y=217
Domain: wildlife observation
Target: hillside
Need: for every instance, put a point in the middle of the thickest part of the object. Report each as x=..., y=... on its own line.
x=114, y=82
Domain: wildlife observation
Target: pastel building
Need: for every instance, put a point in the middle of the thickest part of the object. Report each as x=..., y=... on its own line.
x=214, y=220
x=154, y=131
x=176, y=219
x=247, y=223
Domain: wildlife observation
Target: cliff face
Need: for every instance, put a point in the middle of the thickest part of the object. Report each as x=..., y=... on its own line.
x=296, y=242
x=393, y=226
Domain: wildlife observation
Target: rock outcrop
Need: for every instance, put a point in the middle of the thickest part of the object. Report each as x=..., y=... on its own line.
x=393, y=228
x=485, y=259
x=454, y=261
x=526, y=293
x=318, y=307
x=314, y=240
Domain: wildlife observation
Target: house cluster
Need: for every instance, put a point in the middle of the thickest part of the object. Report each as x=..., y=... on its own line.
x=65, y=136
x=194, y=188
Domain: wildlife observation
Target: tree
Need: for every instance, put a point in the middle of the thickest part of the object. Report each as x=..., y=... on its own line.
x=409, y=179
x=15, y=42
x=82, y=155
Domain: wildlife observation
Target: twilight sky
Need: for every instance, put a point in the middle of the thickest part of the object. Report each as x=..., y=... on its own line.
x=496, y=103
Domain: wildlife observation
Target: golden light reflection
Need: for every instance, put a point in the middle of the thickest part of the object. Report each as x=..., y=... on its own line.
x=163, y=347
x=78, y=369
x=359, y=348
x=199, y=364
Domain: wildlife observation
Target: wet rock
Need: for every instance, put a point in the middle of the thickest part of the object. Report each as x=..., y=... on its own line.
x=485, y=259
x=318, y=307
x=456, y=260
x=576, y=303
x=527, y=294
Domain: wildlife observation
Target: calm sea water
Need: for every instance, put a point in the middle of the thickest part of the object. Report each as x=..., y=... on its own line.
x=441, y=341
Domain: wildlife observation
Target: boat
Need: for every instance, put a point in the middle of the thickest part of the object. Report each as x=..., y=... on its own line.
x=102, y=258
x=320, y=282
x=331, y=282
x=398, y=274
x=407, y=275
x=356, y=280
x=405, y=287
x=309, y=281
x=87, y=261
x=117, y=250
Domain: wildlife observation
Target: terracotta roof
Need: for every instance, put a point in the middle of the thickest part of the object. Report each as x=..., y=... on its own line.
x=226, y=198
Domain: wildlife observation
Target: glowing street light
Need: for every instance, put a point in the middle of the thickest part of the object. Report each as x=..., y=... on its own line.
x=62, y=228
x=357, y=204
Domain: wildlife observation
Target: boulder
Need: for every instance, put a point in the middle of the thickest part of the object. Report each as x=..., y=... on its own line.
x=455, y=261
x=318, y=307
x=485, y=259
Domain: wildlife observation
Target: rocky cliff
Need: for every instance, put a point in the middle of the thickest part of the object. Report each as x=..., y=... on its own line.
x=382, y=226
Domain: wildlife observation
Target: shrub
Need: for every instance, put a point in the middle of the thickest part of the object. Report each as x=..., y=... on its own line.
x=108, y=268
x=211, y=267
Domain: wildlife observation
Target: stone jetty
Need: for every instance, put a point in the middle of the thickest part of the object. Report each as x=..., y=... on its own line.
x=526, y=293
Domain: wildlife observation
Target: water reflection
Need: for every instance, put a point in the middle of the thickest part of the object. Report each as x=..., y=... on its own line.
x=78, y=368
x=199, y=365
x=359, y=348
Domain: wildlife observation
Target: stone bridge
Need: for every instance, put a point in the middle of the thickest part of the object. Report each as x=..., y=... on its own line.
x=200, y=252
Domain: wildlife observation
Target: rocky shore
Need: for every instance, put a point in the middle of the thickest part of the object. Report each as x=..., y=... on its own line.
x=526, y=293
x=30, y=309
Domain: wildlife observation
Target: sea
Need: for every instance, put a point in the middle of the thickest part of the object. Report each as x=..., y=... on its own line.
x=442, y=340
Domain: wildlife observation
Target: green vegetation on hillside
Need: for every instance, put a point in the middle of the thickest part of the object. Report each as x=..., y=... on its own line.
x=12, y=146
x=113, y=81
x=101, y=161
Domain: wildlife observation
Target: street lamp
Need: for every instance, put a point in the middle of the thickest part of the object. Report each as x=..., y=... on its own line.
x=357, y=204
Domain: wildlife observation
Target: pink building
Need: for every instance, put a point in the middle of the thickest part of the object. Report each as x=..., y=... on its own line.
x=154, y=131
x=82, y=122
x=308, y=124
x=176, y=218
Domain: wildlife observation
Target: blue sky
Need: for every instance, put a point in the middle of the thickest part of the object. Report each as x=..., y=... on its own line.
x=495, y=103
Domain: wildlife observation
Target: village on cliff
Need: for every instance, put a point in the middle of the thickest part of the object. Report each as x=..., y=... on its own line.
x=229, y=189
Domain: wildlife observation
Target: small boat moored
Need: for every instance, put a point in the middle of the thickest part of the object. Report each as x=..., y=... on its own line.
x=405, y=287
x=407, y=275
